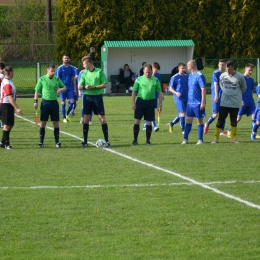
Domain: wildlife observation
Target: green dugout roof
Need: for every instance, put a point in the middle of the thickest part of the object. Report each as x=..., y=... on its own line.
x=154, y=43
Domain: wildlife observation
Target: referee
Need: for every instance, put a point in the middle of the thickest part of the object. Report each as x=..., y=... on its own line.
x=144, y=88
x=49, y=86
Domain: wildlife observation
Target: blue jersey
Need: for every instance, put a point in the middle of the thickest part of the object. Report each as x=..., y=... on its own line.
x=215, y=78
x=80, y=74
x=66, y=73
x=158, y=76
x=180, y=84
x=195, y=83
x=257, y=91
x=247, y=96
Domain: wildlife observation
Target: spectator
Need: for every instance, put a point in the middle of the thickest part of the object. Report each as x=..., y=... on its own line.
x=141, y=73
x=92, y=53
x=125, y=77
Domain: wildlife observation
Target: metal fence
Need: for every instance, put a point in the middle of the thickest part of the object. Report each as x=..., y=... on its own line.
x=27, y=73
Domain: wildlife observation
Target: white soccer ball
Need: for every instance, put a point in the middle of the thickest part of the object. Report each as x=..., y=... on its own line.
x=100, y=143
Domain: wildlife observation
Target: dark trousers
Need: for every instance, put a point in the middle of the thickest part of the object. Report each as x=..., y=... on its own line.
x=223, y=113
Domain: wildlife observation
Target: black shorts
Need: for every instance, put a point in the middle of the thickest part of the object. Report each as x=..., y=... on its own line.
x=49, y=108
x=93, y=104
x=7, y=111
x=144, y=109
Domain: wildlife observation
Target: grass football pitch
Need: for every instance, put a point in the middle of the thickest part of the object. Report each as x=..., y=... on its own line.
x=164, y=201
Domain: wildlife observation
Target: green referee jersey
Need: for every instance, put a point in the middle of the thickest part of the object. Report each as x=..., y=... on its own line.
x=48, y=87
x=93, y=78
x=146, y=87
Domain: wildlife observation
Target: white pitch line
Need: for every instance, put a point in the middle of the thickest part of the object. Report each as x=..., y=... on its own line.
x=136, y=185
x=201, y=184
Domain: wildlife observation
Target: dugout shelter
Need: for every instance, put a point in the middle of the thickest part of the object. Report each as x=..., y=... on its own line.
x=168, y=53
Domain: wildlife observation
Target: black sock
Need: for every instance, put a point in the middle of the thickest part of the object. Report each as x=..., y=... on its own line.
x=57, y=134
x=148, y=132
x=3, y=140
x=136, y=131
x=42, y=134
x=85, y=132
x=6, y=140
x=105, y=131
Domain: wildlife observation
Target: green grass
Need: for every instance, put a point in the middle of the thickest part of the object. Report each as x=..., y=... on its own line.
x=76, y=203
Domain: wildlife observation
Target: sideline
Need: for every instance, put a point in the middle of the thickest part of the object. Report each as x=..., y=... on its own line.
x=135, y=185
x=201, y=184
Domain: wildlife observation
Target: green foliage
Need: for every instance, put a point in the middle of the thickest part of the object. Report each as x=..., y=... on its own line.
x=219, y=29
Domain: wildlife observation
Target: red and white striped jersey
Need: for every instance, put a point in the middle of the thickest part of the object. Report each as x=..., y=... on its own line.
x=7, y=89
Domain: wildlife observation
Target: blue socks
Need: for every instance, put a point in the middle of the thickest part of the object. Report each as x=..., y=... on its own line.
x=182, y=123
x=210, y=120
x=255, y=127
x=63, y=110
x=187, y=130
x=200, y=132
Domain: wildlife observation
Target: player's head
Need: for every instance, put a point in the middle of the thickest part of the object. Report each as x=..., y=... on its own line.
x=156, y=66
x=92, y=49
x=182, y=68
x=8, y=72
x=230, y=67
x=87, y=62
x=222, y=65
x=50, y=70
x=148, y=70
x=65, y=59
x=192, y=65
x=249, y=69
x=2, y=66
x=143, y=63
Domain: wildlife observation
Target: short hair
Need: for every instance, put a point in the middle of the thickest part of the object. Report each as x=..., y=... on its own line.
x=2, y=65
x=88, y=59
x=222, y=60
x=249, y=65
x=67, y=55
x=148, y=66
x=50, y=66
x=8, y=70
x=92, y=49
x=84, y=58
x=181, y=64
x=230, y=63
x=156, y=65
x=193, y=63
x=143, y=63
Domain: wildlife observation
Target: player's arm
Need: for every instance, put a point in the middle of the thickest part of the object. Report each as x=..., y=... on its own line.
x=216, y=91
x=203, y=97
x=35, y=102
x=96, y=87
x=134, y=93
x=13, y=103
x=9, y=91
x=161, y=97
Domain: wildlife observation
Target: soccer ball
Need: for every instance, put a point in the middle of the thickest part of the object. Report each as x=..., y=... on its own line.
x=100, y=143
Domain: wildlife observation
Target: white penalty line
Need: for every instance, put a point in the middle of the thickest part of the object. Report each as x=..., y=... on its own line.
x=201, y=184
x=136, y=185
